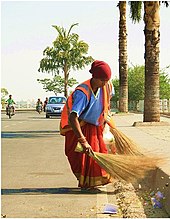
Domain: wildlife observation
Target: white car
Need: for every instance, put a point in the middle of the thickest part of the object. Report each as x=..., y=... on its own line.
x=55, y=106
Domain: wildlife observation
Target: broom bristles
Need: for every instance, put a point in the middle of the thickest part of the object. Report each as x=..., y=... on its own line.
x=126, y=167
x=123, y=144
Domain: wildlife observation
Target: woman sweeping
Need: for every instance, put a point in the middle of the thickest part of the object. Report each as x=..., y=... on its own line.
x=83, y=120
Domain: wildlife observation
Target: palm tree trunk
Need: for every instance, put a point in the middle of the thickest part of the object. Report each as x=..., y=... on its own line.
x=152, y=39
x=123, y=72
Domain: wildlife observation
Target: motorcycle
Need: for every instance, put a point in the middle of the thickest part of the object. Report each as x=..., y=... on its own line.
x=10, y=111
x=39, y=109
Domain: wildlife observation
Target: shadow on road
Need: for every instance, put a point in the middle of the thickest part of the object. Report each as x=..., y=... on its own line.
x=16, y=119
x=40, y=117
x=42, y=191
x=28, y=134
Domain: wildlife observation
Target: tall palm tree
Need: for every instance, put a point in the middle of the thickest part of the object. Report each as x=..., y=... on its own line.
x=123, y=71
x=152, y=40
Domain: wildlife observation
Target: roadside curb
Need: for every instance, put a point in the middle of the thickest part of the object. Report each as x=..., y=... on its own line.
x=163, y=181
x=159, y=180
x=161, y=123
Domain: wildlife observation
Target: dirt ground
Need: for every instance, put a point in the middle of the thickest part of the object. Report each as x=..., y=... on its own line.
x=135, y=202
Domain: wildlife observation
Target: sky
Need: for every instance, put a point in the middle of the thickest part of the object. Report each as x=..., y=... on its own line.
x=26, y=30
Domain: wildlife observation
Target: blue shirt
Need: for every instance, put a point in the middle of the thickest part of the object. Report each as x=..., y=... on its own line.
x=91, y=110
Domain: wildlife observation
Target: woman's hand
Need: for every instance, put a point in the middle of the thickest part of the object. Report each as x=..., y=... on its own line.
x=86, y=147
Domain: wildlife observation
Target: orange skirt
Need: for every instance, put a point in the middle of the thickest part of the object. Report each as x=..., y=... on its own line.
x=86, y=170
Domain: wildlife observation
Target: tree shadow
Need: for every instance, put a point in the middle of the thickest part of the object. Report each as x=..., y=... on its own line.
x=29, y=134
x=44, y=118
x=42, y=191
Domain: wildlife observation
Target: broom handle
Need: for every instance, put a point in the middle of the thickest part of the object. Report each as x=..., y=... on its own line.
x=109, y=120
x=79, y=148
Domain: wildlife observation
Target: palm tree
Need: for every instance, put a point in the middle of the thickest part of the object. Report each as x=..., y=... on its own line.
x=123, y=71
x=68, y=52
x=152, y=40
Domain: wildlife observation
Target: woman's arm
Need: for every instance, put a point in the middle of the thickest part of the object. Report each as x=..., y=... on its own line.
x=73, y=119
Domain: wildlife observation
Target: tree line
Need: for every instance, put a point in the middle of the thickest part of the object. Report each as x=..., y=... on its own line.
x=136, y=79
x=69, y=53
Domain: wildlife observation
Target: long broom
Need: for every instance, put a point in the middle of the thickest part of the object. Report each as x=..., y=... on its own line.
x=126, y=167
x=123, y=144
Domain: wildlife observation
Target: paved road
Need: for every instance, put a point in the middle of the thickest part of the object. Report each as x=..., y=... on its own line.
x=36, y=178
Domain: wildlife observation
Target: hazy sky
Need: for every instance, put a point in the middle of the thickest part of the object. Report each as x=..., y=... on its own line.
x=26, y=30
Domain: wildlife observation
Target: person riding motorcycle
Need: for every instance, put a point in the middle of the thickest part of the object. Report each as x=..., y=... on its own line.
x=39, y=104
x=9, y=102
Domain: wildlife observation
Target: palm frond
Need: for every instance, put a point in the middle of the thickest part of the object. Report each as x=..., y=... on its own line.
x=71, y=28
x=135, y=10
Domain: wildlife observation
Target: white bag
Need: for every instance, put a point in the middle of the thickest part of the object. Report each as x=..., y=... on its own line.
x=109, y=139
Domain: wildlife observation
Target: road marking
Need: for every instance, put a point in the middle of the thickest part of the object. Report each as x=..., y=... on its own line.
x=102, y=200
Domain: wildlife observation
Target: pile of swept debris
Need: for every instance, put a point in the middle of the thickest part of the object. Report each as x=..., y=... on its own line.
x=136, y=202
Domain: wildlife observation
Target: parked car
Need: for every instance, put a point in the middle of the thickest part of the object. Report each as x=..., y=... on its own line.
x=55, y=106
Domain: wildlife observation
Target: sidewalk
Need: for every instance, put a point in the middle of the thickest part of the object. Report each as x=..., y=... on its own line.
x=151, y=139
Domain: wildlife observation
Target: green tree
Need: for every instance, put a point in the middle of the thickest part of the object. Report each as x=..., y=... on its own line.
x=4, y=93
x=67, y=52
x=115, y=83
x=136, y=80
x=136, y=83
x=56, y=84
x=164, y=84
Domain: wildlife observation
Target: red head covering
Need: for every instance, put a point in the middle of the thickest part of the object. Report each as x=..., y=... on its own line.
x=101, y=70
